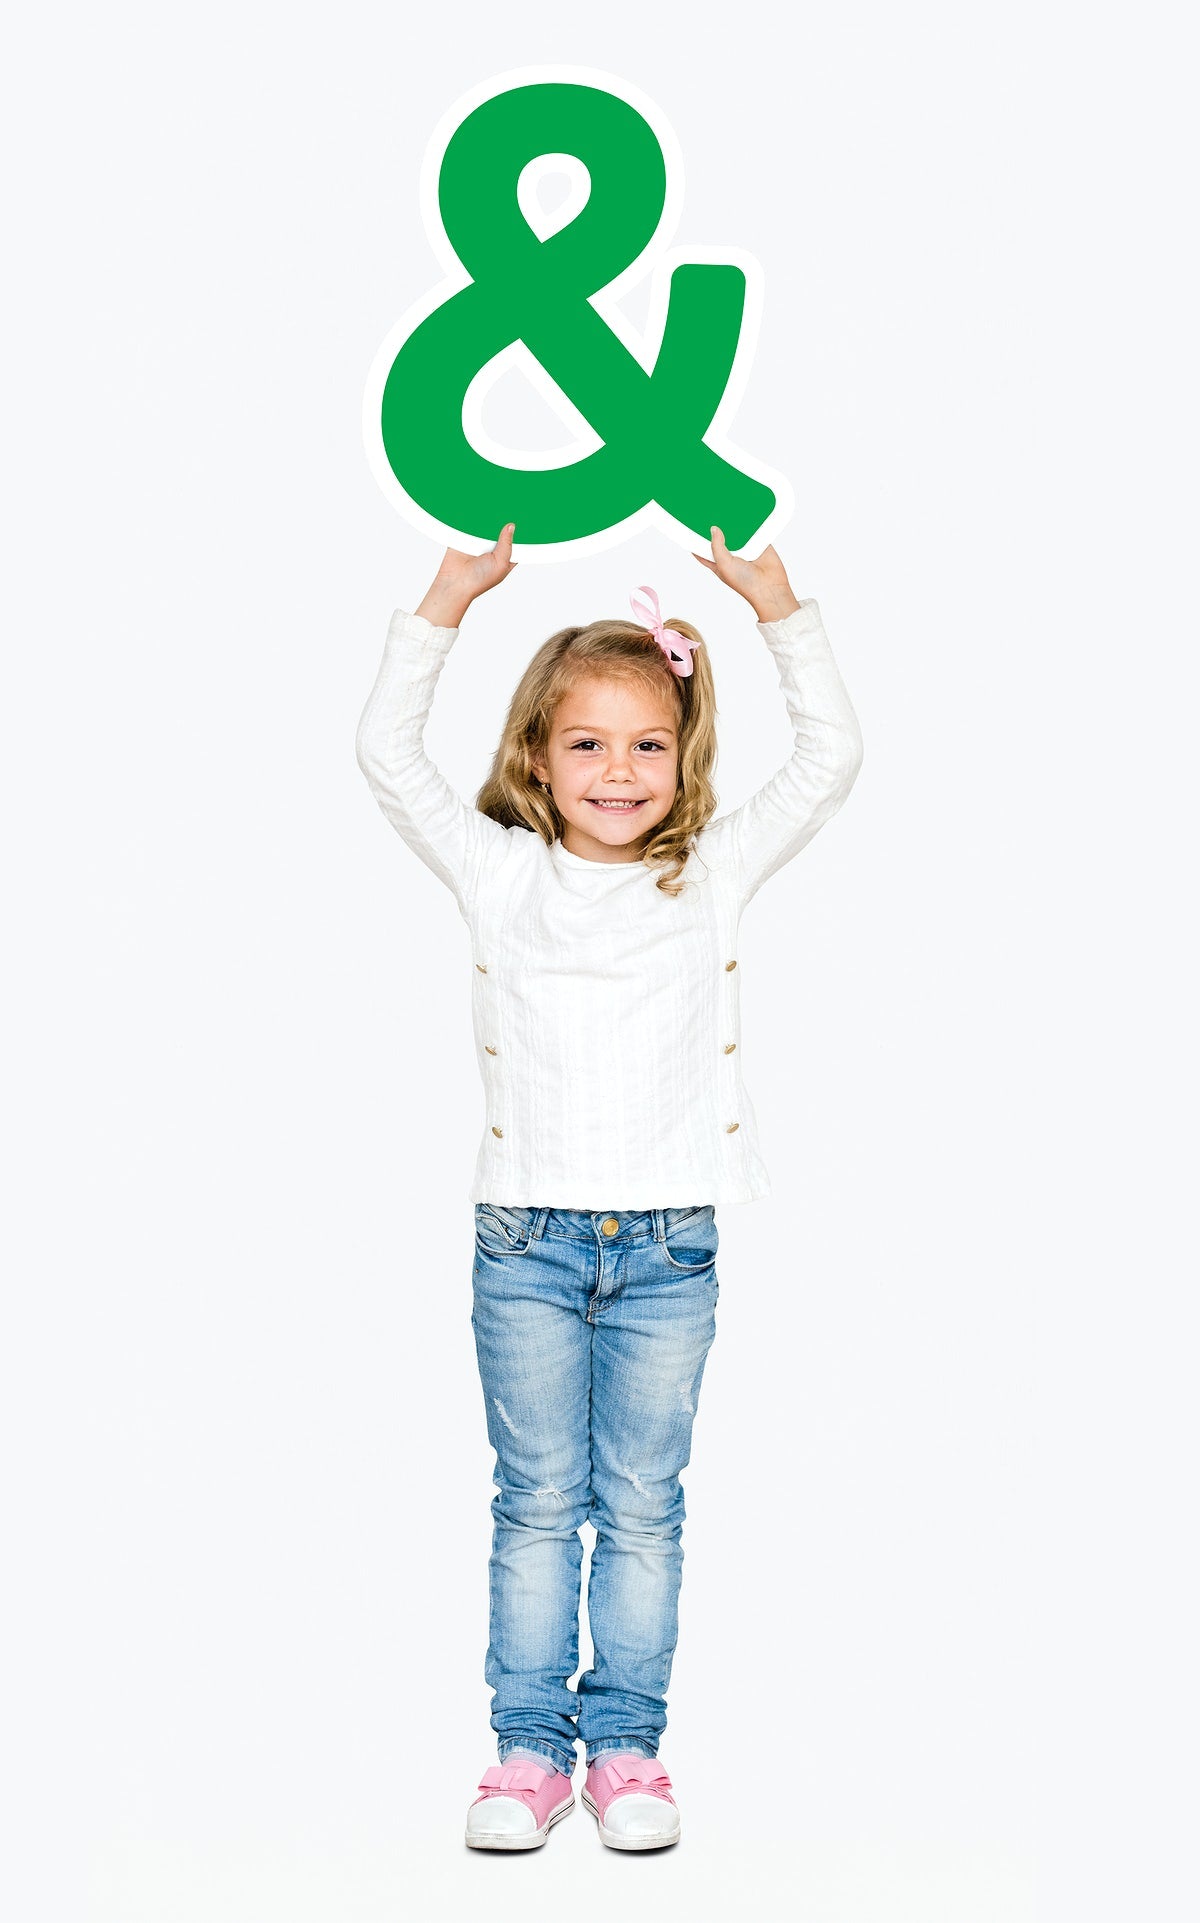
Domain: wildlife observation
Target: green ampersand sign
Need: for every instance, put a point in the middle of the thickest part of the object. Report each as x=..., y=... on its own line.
x=652, y=413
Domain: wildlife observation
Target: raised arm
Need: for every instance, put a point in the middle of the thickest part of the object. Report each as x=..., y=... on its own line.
x=757, y=839
x=451, y=837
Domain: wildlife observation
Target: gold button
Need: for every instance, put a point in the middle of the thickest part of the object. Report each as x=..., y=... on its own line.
x=482, y=967
x=610, y=1225
x=729, y=1047
x=732, y=1126
x=730, y=965
x=496, y=1131
x=490, y=1049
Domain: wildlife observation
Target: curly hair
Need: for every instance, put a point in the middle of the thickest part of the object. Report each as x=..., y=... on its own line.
x=512, y=794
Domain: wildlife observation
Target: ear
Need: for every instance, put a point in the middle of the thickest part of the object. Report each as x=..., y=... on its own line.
x=539, y=769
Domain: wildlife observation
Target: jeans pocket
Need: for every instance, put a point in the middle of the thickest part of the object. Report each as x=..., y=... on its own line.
x=690, y=1238
x=503, y=1231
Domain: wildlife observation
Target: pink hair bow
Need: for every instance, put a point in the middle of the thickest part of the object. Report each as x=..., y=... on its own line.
x=679, y=656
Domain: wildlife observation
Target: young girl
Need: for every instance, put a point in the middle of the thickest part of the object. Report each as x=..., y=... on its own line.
x=603, y=903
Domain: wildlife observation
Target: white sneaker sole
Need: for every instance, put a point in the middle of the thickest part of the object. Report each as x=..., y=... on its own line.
x=616, y=1842
x=522, y=1840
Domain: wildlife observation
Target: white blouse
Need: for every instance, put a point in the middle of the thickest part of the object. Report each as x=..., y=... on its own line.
x=605, y=1011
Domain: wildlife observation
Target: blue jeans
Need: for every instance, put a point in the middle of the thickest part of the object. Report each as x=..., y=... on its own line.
x=591, y=1342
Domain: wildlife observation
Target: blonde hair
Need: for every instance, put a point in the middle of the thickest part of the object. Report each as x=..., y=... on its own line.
x=512, y=794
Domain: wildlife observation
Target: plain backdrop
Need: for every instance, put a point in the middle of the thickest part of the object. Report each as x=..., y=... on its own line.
x=938, y=1598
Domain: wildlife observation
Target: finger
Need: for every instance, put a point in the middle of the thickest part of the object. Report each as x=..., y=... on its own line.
x=718, y=541
x=705, y=562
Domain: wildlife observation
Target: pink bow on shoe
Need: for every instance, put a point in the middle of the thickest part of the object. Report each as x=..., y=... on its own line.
x=512, y=1779
x=644, y=1774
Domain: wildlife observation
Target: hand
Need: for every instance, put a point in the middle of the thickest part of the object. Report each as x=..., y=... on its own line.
x=462, y=577
x=763, y=583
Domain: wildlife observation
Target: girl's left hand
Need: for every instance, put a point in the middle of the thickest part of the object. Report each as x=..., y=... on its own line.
x=763, y=583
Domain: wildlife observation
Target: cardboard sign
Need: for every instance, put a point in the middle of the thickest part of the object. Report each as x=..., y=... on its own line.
x=645, y=414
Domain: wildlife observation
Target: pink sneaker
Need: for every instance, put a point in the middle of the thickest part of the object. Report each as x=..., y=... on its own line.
x=519, y=1806
x=630, y=1797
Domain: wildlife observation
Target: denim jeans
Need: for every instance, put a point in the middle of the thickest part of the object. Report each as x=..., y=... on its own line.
x=591, y=1330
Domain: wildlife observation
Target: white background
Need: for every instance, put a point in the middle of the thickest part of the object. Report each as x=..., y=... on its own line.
x=938, y=1654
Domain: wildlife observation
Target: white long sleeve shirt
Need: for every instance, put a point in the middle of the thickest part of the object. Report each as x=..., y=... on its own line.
x=606, y=1012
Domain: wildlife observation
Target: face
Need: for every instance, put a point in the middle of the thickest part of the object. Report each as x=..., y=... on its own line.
x=611, y=742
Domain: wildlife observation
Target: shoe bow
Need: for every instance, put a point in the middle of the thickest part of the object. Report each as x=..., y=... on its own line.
x=644, y=1774
x=512, y=1779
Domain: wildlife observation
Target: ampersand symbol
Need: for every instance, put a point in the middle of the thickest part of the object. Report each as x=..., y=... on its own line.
x=651, y=421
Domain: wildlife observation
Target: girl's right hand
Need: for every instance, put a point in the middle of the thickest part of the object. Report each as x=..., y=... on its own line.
x=463, y=577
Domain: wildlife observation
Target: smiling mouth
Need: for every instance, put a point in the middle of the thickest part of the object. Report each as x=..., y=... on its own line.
x=616, y=807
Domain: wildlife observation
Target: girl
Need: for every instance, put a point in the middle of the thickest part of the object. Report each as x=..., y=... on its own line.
x=603, y=903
